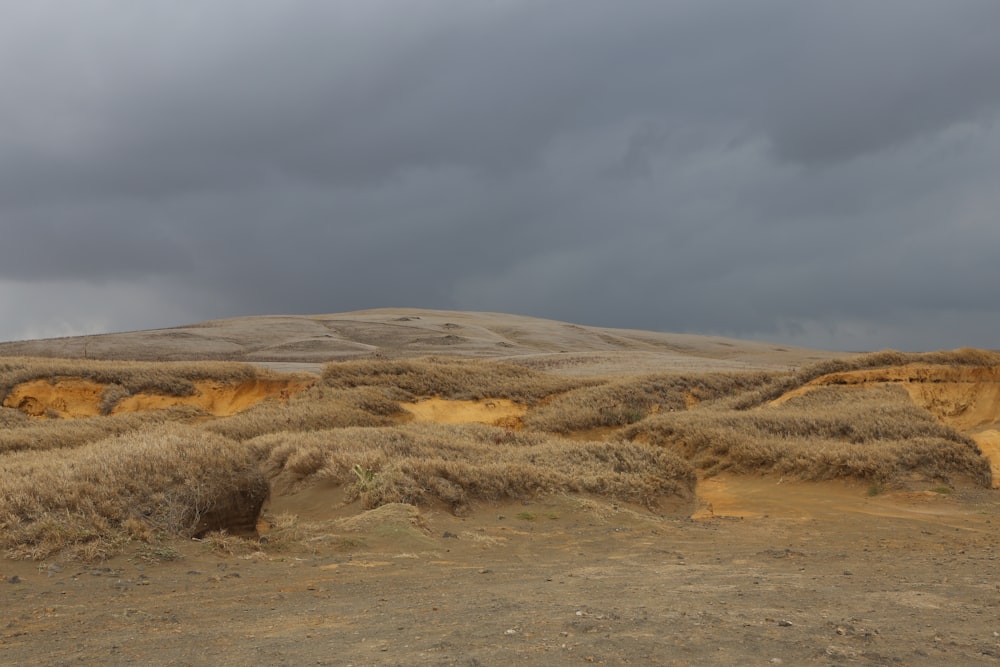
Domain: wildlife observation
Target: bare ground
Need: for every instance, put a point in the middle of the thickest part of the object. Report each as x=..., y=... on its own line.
x=769, y=572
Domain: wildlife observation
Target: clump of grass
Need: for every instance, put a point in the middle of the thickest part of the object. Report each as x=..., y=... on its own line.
x=58, y=434
x=92, y=500
x=458, y=379
x=458, y=465
x=874, y=434
x=11, y=417
x=624, y=401
x=316, y=408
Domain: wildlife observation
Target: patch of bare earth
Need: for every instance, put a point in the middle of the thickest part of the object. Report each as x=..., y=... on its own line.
x=798, y=574
x=75, y=397
x=494, y=411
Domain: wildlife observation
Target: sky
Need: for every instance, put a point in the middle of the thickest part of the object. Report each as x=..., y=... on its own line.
x=824, y=174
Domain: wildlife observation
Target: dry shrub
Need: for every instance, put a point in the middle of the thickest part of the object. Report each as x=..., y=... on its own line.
x=627, y=400
x=457, y=379
x=317, y=408
x=89, y=501
x=873, y=433
x=57, y=434
x=11, y=417
x=459, y=464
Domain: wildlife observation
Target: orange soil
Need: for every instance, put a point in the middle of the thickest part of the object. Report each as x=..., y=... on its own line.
x=989, y=445
x=495, y=411
x=65, y=397
x=75, y=397
x=964, y=397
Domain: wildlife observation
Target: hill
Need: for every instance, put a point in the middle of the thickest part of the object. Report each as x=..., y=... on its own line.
x=393, y=333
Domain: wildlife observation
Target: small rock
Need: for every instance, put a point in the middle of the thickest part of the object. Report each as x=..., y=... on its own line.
x=785, y=624
x=450, y=534
x=14, y=579
x=510, y=632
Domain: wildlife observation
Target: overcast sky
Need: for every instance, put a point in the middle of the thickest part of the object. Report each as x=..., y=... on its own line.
x=807, y=172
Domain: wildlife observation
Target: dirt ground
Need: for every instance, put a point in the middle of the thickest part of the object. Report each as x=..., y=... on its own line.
x=768, y=572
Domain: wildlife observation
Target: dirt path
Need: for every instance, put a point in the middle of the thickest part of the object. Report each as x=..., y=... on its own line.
x=800, y=579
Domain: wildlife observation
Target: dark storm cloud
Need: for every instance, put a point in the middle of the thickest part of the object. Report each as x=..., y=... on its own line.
x=820, y=173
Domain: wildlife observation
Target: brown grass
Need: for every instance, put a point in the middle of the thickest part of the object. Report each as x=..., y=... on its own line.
x=457, y=465
x=42, y=435
x=90, y=500
x=316, y=408
x=449, y=378
x=628, y=400
x=874, y=434
x=86, y=487
x=175, y=378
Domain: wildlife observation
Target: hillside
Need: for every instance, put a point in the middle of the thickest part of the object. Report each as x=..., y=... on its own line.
x=310, y=340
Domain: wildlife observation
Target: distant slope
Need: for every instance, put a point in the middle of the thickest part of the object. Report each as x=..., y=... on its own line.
x=309, y=340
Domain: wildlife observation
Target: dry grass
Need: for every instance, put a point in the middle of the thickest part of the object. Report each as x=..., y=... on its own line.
x=449, y=378
x=629, y=400
x=315, y=409
x=173, y=378
x=457, y=465
x=42, y=435
x=87, y=502
x=874, y=434
x=86, y=487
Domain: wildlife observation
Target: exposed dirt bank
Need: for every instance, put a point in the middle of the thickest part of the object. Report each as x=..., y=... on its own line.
x=494, y=411
x=68, y=397
x=966, y=398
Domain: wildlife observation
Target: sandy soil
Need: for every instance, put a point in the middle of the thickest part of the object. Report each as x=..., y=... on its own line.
x=494, y=411
x=75, y=397
x=771, y=573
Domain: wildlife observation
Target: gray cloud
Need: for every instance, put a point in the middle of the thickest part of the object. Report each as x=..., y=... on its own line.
x=818, y=174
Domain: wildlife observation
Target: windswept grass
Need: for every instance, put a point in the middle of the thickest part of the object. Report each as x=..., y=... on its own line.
x=628, y=400
x=315, y=409
x=456, y=379
x=89, y=501
x=50, y=435
x=457, y=465
x=873, y=434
